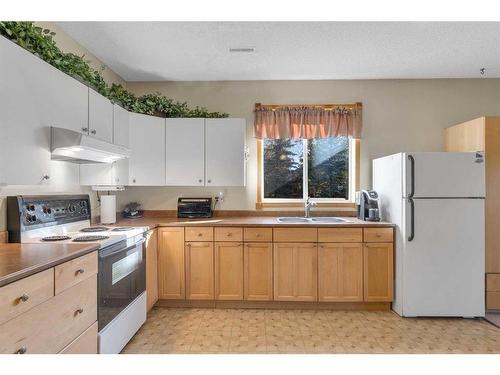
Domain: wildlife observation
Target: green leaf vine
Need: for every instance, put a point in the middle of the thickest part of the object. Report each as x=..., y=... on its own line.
x=40, y=42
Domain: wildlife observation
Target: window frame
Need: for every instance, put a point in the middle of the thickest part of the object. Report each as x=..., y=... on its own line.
x=354, y=173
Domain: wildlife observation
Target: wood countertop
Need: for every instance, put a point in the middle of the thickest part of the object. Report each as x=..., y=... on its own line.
x=18, y=261
x=243, y=221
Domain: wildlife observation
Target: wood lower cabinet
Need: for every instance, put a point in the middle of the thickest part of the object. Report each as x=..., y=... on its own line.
x=340, y=272
x=171, y=269
x=295, y=272
x=378, y=272
x=86, y=343
x=258, y=271
x=229, y=270
x=200, y=270
x=152, y=267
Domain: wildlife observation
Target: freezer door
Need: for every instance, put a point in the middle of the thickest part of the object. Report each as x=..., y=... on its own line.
x=444, y=174
x=443, y=271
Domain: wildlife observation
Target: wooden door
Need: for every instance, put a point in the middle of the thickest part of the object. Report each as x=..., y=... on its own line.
x=152, y=267
x=229, y=270
x=340, y=272
x=200, y=270
x=295, y=272
x=185, y=166
x=258, y=271
x=147, y=141
x=225, y=152
x=100, y=117
x=171, y=271
x=378, y=272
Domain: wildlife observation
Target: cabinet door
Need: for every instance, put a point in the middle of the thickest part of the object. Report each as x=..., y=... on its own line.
x=200, y=270
x=147, y=141
x=378, y=272
x=295, y=272
x=185, y=151
x=33, y=97
x=225, y=152
x=171, y=276
x=229, y=270
x=258, y=271
x=340, y=272
x=120, y=137
x=152, y=267
x=100, y=117
x=96, y=174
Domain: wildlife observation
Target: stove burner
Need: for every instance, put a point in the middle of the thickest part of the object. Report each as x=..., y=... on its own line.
x=56, y=238
x=94, y=229
x=90, y=238
x=121, y=229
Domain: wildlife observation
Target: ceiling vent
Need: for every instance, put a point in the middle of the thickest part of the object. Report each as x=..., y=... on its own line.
x=243, y=49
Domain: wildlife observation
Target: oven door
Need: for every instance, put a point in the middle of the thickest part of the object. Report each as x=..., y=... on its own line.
x=122, y=277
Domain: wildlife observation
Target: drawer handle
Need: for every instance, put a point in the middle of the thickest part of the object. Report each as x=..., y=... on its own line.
x=200, y=234
x=378, y=235
x=24, y=298
x=258, y=235
x=79, y=311
x=79, y=271
x=21, y=350
x=229, y=234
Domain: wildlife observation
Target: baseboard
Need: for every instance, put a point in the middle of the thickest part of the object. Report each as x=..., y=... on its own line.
x=4, y=236
x=353, y=306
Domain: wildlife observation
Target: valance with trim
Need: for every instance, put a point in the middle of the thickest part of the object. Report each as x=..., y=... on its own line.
x=308, y=121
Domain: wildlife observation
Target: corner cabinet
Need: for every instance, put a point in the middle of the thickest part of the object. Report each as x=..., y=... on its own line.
x=33, y=97
x=215, y=156
x=147, y=141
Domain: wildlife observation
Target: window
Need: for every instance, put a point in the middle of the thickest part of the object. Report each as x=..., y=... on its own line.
x=293, y=169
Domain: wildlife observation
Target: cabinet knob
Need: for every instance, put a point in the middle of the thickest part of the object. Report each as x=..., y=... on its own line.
x=46, y=177
x=200, y=234
x=209, y=181
x=21, y=350
x=79, y=271
x=200, y=180
x=79, y=311
x=24, y=298
x=133, y=180
x=85, y=130
x=229, y=234
x=93, y=131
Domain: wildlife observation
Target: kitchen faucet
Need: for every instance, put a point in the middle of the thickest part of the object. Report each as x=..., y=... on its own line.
x=307, y=206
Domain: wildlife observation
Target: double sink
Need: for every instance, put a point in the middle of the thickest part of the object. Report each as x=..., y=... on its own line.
x=317, y=219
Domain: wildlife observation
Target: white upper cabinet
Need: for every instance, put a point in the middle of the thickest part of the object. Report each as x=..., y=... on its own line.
x=116, y=173
x=34, y=96
x=100, y=117
x=225, y=152
x=185, y=150
x=147, y=141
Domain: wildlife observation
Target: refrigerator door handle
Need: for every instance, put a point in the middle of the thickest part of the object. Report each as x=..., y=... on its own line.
x=412, y=176
x=412, y=220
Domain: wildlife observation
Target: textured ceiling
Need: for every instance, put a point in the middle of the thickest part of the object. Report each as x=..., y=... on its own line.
x=190, y=51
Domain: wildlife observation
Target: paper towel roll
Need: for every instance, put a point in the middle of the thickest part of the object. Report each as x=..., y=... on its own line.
x=108, y=209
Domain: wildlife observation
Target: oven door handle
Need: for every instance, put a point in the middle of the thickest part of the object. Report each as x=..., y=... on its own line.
x=138, y=243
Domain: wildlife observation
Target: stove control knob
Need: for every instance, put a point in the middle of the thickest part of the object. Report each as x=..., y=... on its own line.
x=33, y=218
x=71, y=208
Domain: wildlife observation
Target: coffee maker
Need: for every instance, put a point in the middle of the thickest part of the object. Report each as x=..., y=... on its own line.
x=368, y=205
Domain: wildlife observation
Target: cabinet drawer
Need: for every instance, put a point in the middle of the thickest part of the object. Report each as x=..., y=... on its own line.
x=50, y=326
x=493, y=282
x=86, y=343
x=20, y=296
x=71, y=273
x=493, y=300
x=258, y=234
x=199, y=234
x=295, y=234
x=340, y=235
x=378, y=235
x=228, y=234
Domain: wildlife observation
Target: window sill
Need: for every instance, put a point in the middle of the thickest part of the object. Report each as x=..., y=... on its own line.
x=285, y=205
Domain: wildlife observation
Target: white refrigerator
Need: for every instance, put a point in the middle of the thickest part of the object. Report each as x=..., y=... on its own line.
x=436, y=200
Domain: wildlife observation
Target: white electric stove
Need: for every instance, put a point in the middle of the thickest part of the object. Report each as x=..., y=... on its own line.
x=122, y=258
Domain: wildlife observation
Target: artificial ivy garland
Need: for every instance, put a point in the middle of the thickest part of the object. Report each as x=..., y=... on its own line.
x=40, y=42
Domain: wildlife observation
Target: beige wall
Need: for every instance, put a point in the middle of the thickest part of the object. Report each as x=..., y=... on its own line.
x=398, y=115
x=68, y=44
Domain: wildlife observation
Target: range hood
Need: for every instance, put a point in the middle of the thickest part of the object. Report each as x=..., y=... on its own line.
x=75, y=147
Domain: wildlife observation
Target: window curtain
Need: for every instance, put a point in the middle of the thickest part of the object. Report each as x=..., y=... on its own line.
x=307, y=122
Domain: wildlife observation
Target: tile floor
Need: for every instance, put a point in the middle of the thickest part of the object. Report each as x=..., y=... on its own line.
x=176, y=330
